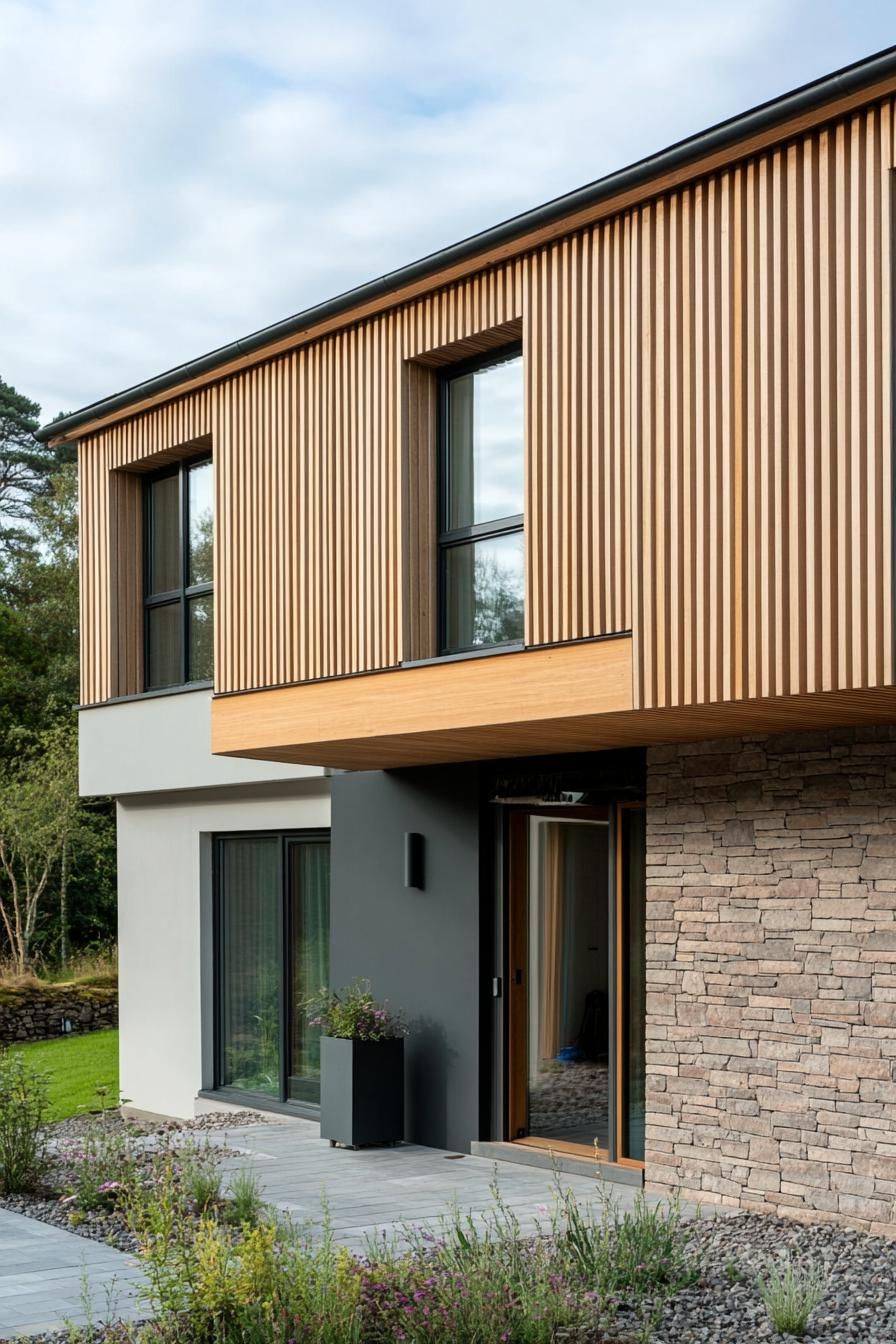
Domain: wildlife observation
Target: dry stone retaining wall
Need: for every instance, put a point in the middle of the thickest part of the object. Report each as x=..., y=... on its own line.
x=40, y=1012
x=771, y=973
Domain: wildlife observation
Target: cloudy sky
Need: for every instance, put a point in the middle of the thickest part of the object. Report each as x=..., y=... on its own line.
x=176, y=174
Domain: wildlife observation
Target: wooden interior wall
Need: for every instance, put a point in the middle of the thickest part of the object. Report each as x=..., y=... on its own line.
x=760, y=373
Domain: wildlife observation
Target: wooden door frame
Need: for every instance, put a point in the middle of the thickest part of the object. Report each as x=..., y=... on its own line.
x=516, y=966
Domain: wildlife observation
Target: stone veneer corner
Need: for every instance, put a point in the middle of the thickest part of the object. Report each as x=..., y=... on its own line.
x=771, y=974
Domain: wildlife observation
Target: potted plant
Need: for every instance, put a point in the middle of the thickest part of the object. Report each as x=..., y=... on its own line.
x=361, y=1066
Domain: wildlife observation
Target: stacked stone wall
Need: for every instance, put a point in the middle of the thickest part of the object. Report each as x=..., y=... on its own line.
x=40, y=1012
x=771, y=974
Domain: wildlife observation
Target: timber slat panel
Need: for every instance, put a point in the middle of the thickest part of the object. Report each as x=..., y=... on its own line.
x=308, y=483
x=708, y=449
x=762, y=447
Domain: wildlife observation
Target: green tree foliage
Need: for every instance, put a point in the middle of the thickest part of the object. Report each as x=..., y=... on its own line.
x=26, y=466
x=498, y=616
x=39, y=817
x=39, y=616
x=57, y=879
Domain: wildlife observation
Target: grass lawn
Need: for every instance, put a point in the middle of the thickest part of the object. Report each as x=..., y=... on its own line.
x=77, y=1066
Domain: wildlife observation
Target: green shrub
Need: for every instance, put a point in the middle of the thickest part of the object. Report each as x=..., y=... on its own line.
x=23, y=1135
x=201, y=1177
x=477, y=1279
x=104, y=1168
x=354, y=1014
x=791, y=1291
x=244, y=1199
x=226, y=1279
x=205, y=1284
x=156, y=1213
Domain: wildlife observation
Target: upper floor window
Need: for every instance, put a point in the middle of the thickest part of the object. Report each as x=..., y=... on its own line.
x=481, y=504
x=178, y=598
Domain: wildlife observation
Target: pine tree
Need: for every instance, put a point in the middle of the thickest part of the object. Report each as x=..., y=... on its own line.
x=25, y=465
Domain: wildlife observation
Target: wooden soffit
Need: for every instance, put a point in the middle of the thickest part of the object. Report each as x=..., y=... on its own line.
x=564, y=699
x=507, y=704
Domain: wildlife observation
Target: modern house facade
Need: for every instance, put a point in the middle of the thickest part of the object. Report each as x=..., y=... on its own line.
x=517, y=631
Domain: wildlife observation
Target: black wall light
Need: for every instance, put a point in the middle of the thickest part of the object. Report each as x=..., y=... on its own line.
x=413, y=860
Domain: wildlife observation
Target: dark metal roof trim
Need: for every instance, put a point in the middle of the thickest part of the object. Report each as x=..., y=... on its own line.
x=804, y=99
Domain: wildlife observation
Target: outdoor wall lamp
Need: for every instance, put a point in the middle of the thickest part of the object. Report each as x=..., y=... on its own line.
x=413, y=860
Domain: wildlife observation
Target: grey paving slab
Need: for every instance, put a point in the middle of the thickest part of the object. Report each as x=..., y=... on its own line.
x=372, y=1194
x=48, y=1276
x=380, y=1191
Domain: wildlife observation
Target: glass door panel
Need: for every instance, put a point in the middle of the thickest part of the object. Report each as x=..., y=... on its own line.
x=250, y=963
x=575, y=1043
x=568, y=981
x=308, y=890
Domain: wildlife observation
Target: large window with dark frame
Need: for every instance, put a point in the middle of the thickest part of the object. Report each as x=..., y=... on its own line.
x=481, y=587
x=178, y=599
x=272, y=952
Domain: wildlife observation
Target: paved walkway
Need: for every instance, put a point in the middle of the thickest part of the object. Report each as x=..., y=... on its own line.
x=377, y=1190
x=46, y=1271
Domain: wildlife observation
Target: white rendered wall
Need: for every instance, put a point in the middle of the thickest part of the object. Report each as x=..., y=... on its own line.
x=164, y=927
x=162, y=742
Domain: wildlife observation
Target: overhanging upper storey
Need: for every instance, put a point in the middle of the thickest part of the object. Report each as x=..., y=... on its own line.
x=641, y=450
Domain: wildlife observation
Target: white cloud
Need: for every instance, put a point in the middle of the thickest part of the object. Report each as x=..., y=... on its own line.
x=174, y=175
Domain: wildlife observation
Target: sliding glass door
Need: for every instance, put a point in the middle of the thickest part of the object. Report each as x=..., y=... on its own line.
x=250, y=963
x=272, y=945
x=308, y=893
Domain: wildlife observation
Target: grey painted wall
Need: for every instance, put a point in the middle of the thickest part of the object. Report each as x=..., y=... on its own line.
x=420, y=949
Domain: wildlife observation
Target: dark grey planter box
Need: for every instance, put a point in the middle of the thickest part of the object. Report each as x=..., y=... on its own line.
x=361, y=1091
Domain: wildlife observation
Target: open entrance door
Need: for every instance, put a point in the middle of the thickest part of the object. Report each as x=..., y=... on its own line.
x=575, y=970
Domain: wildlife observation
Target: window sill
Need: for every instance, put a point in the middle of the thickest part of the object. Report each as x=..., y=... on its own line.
x=186, y=689
x=304, y=1110
x=492, y=651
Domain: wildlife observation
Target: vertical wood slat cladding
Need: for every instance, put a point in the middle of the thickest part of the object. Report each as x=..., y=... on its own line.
x=760, y=402
x=126, y=582
x=707, y=403
x=110, y=536
x=309, y=474
x=577, y=500
x=419, y=520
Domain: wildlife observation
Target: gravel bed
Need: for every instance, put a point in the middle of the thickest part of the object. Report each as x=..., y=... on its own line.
x=724, y=1307
x=108, y=1227
x=101, y=1224
x=79, y=1125
x=85, y=1334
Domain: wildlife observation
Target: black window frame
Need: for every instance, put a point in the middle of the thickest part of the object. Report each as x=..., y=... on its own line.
x=448, y=537
x=225, y=1091
x=185, y=592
